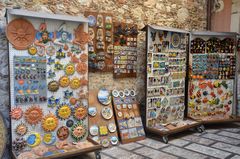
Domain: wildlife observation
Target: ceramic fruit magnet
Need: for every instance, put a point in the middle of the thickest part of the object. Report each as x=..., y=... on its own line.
x=49, y=122
x=114, y=140
x=16, y=113
x=105, y=142
x=20, y=33
x=104, y=96
x=69, y=69
x=53, y=86
x=80, y=112
x=83, y=57
x=103, y=130
x=112, y=127
x=34, y=139
x=33, y=115
x=62, y=133
x=92, y=111
x=19, y=144
x=21, y=129
x=64, y=81
x=78, y=131
x=70, y=123
x=107, y=113
x=93, y=130
x=115, y=93
x=81, y=68
x=64, y=111
x=32, y=50
x=49, y=138
x=75, y=83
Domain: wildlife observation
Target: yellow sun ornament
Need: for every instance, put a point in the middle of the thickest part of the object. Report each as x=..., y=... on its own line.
x=75, y=83
x=49, y=122
x=32, y=50
x=64, y=81
x=69, y=69
x=64, y=111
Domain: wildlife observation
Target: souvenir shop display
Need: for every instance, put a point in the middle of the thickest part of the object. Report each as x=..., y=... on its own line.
x=48, y=62
x=128, y=116
x=102, y=125
x=125, y=50
x=167, y=51
x=212, y=82
x=100, y=45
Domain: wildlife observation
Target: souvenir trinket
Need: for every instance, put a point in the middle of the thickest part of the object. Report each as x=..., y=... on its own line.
x=78, y=131
x=60, y=54
x=21, y=129
x=74, y=83
x=112, y=127
x=93, y=130
x=51, y=74
x=96, y=138
x=20, y=33
x=107, y=113
x=40, y=150
x=19, y=144
x=115, y=93
x=50, y=61
x=73, y=101
x=81, y=37
x=33, y=115
x=81, y=68
x=63, y=133
x=92, y=111
x=53, y=102
x=53, y=86
x=68, y=94
x=83, y=57
x=114, y=140
x=50, y=50
x=175, y=40
x=49, y=122
x=103, y=130
x=43, y=37
x=69, y=123
x=105, y=142
x=63, y=37
x=49, y=138
x=119, y=114
x=16, y=113
x=91, y=20
x=34, y=139
x=64, y=81
x=104, y=96
x=126, y=92
x=64, y=111
x=80, y=112
x=32, y=50
x=121, y=94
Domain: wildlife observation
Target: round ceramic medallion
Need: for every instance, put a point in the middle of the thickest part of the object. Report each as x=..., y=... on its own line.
x=80, y=112
x=34, y=139
x=126, y=92
x=19, y=144
x=132, y=93
x=20, y=33
x=175, y=40
x=83, y=57
x=62, y=133
x=92, y=111
x=53, y=86
x=32, y=50
x=50, y=50
x=49, y=122
x=41, y=51
x=75, y=83
x=33, y=115
x=78, y=131
x=118, y=107
x=114, y=140
x=70, y=123
x=64, y=81
x=73, y=101
x=69, y=69
x=105, y=142
x=115, y=93
x=64, y=111
x=81, y=68
x=49, y=138
x=21, y=129
x=92, y=20
x=93, y=130
x=16, y=113
x=104, y=96
x=107, y=113
x=119, y=114
x=121, y=94
x=112, y=127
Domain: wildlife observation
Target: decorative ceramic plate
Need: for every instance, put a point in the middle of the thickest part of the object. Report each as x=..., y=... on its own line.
x=115, y=93
x=93, y=130
x=105, y=142
x=114, y=140
x=132, y=93
x=107, y=113
x=91, y=20
x=112, y=127
x=104, y=96
x=92, y=111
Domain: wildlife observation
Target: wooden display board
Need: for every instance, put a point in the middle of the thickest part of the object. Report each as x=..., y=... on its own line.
x=128, y=116
x=99, y=121
x=212, y=81
x=48, y=63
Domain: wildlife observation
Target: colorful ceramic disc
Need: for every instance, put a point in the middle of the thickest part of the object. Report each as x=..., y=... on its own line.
x=50, y=50
x=121, y=94
x=83, y=57
x=53, y=86
x=75, y=83
x=32, y=50
x=62, y=133
x=80, y=112
x=69, y=69
x=91, y=20
x=126, y=92
x=120, y=114
x=21, y=129
x=107, y=113
x=114, y=140
x=81, y=68
x=93, y=130
x=105, y=142
x=64, y=111
x=70, y=123
x=64, y=81
x=33, y=115
x=78, y=131
x=16, y=113
x=104, y=96
x=115, y=93
x=132, y=93
x=112, y=127
x=34, y=139
x=92, y=111
x=103, y=130
x=73, y=101
x=49, y=122
x=175, y=40
x=49, y=138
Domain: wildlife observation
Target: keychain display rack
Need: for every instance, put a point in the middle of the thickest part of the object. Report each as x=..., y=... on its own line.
x=166, y=84
x=212, y=78
x=48, y=64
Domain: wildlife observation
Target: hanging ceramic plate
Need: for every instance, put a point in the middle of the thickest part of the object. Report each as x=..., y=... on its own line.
x=114, y=140
x=34, y=139
x=121, y=94
x=105, y=142
x=164, y=102
x=132, y=93
x=126, y=92
x=104, y=96
x=112, y=127
x=96, y=138
x=92, y=111
x=120, y=114
x=93, y=130
x=118, y=107
x=49, y=138
x=91, y=20
x=115, y=93
x=107, y=113
x=175, y=40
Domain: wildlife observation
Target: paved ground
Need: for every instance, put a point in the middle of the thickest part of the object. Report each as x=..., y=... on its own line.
x=221, y=141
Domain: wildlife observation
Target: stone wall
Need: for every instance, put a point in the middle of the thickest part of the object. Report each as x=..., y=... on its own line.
x=184, y=14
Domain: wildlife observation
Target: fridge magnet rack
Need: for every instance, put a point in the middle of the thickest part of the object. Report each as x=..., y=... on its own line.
x=167, y=54
x=212, y=77
x=48, y=64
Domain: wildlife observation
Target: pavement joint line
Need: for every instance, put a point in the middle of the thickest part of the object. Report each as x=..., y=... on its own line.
x=133, y=152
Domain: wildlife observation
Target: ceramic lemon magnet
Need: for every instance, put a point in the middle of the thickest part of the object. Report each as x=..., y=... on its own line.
x=49, y=138
x=78, y=131
x=75, y=83
x=32, y=50
x=107, y=113
x=49, y=122
x=62, y=133
x=33, y=115
x=64, y=81
x=69, y=69
x=80, y=113
x=64, y=111
x=21, y=129
x=104, y=96
x=34, y=139
x=93, y=130
x=16, y=113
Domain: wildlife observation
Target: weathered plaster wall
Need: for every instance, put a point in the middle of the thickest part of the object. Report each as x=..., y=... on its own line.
x=184, y=14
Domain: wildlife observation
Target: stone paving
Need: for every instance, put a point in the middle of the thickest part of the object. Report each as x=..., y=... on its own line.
x=221, y=141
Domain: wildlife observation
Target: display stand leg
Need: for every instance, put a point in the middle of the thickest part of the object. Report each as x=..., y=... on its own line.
x=98, y=155
x=165, y=139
